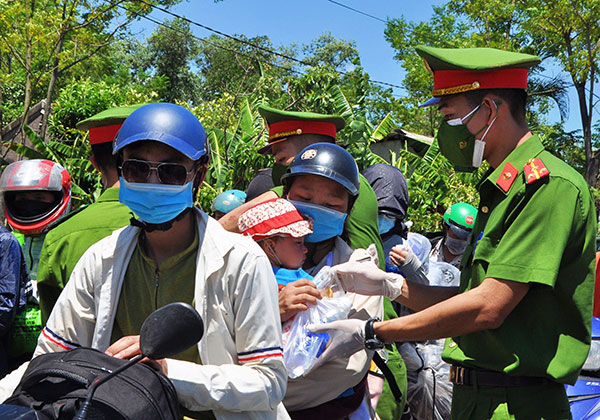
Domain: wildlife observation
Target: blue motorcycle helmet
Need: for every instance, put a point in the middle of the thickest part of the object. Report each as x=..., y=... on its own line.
x=228, y=200
x=329, y=161
x=168, y=201
x=167, y=123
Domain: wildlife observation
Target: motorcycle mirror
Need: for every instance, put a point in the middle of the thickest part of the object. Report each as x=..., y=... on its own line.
x=170, y=330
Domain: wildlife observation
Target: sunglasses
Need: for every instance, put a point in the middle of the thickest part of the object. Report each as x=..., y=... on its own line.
x=134, y=170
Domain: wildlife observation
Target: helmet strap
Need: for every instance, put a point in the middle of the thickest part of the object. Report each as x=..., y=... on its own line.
x=151, y=227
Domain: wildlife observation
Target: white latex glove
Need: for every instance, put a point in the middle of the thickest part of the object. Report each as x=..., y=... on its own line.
x=366, y=278
x=365, y=255
x=412, y=267
x=347, y=337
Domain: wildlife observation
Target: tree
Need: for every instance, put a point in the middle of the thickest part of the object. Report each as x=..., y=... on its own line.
x=238, y=66
x=562, y=31
x=569, y=30
x=469, y=23
x=42, y=40
x=171, y=50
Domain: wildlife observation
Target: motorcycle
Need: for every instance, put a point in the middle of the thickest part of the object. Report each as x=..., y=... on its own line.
x=167, y=331
x=584, y=396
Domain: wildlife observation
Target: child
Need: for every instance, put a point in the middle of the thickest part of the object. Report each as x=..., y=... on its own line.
x=279, y=229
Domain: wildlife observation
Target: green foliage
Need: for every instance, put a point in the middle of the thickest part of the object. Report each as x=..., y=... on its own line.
x=222, y=81
x=171, y=49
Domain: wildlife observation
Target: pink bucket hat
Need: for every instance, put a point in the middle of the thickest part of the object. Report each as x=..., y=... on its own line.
x=273, y=217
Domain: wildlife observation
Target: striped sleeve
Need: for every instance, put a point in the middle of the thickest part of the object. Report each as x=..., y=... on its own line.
x=263, y=353
x=58, y=340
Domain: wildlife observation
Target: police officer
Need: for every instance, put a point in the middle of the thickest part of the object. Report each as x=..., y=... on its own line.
x=73, y=235
x=289, y=133
x=520, y=321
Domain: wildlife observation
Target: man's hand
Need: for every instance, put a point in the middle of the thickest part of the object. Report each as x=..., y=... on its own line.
x=366, y=278
x=128, y=347
x=399, y=253
x=295, y=297
x=125, y=348
x=347, y=337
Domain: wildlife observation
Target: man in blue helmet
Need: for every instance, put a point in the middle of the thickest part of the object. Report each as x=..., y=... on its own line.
x=323, y=184
x=175, y=252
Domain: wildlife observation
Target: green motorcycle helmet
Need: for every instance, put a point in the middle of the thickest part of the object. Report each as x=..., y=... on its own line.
x=460, y=217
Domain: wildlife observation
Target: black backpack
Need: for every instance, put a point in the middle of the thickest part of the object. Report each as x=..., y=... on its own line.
x=55, y=385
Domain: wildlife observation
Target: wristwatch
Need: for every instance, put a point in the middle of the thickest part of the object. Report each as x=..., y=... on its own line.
x=372, y=342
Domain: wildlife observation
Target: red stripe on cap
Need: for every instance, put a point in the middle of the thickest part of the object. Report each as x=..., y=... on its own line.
x=283, y=128
x=261, y=230
x=512, y=78
x=104, y=134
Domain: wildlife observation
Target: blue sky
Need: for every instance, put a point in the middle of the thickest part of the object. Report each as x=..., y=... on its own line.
x=287, y=22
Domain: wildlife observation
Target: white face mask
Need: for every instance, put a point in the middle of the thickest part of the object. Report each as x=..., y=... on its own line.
x=479, y=145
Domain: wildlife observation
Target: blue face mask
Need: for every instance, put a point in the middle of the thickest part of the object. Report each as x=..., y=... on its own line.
x=327, y=222
x=386, y=223
x=156, y=203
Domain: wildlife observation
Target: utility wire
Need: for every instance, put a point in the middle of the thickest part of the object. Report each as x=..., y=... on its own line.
x=356, y=10
x=272, y=52
x=157, y=22
x=164, y=25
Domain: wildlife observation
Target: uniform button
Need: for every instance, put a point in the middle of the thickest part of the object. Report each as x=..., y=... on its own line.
x=452, y=344
x=485, y=209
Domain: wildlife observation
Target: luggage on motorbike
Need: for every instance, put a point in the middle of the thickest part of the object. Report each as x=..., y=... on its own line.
x=55, y=384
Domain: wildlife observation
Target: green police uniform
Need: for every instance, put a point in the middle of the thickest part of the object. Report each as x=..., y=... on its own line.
x=71, y=237
x=541, y=233
x=67, y=242
x=536, y=224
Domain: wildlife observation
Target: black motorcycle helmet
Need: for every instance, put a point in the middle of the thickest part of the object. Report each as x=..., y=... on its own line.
x=327, y=160
x=391, y=190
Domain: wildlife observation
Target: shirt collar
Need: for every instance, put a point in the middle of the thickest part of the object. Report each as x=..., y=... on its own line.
x=531, y=148
x=109, y=194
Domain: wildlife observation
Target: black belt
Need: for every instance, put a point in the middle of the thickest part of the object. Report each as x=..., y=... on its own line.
x=466, y=376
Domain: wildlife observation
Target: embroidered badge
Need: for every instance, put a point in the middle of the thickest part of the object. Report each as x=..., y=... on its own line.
x=507, y=177
x=534, y=170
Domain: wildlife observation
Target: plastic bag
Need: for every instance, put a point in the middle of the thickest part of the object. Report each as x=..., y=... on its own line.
x=421, y=246
x=443, y=274
x=429, y=392
x=592, y=363
x=301, y=348
x=26, y=328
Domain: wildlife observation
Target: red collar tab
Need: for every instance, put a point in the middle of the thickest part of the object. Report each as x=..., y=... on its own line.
x=104, y=134
x=288, y=128
x=534, y=170
x=507, y=177
x=448, y=82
